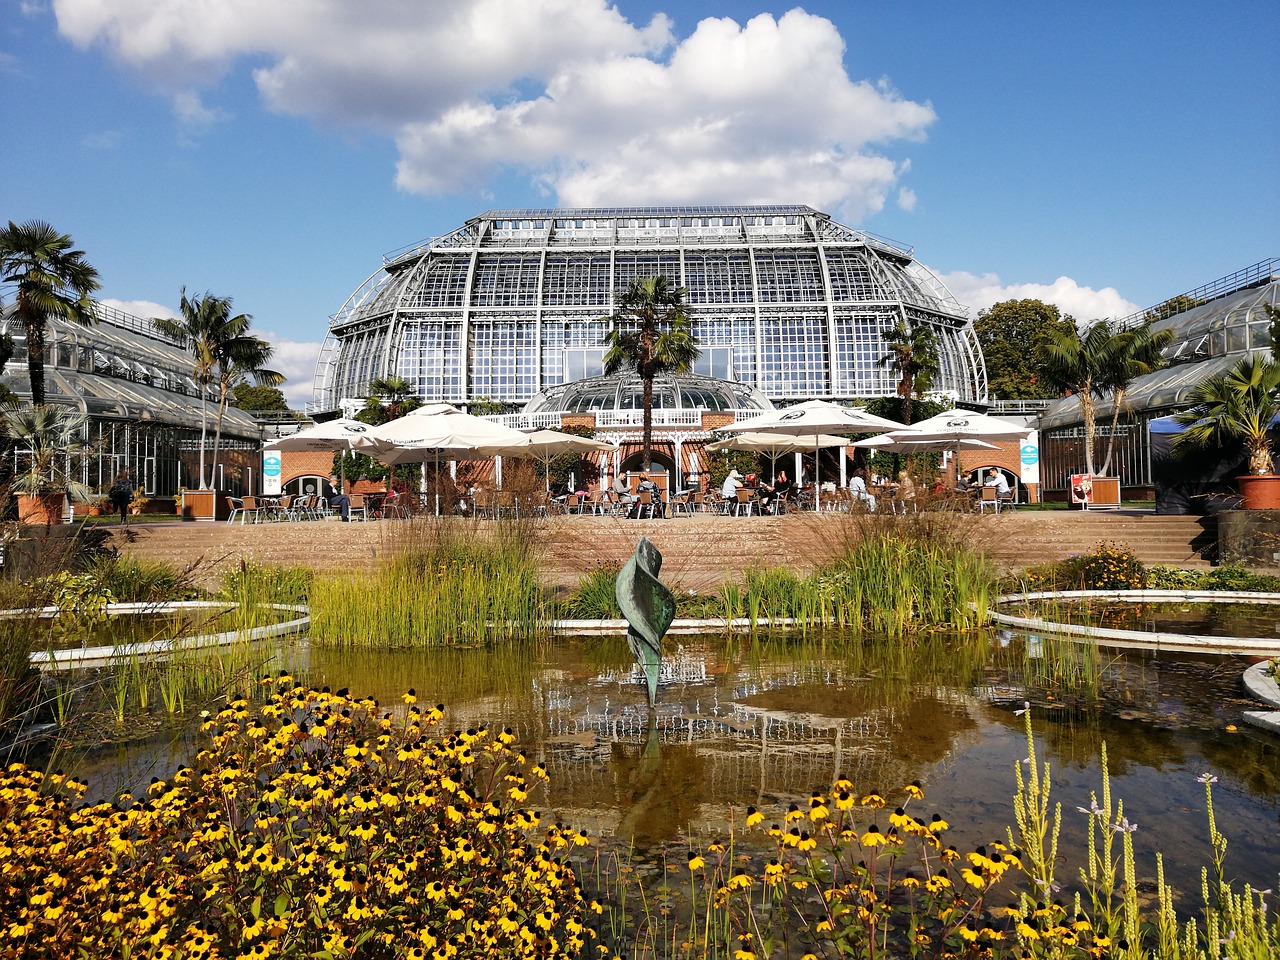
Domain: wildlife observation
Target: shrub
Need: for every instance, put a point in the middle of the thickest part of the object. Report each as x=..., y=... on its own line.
x=1233, y=577
x=1161, y=577
x=316, y=828
x=594, y=597
x=1108, y=567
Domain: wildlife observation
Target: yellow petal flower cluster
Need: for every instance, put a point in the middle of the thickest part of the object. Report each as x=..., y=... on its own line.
x=316, y=825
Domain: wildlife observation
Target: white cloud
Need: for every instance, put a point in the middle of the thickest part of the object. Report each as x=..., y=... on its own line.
x=1083, y=303
x=297, y=361
x=907, y=199
x=294, y=358
x=145, y=309
x=102, y=140
x=591, y=107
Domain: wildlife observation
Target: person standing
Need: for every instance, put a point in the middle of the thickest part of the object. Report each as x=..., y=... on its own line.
x=121, y=494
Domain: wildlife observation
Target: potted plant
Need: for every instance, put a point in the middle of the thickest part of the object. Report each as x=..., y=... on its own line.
x=138, y=506
x=1238, y=406
x=48, y=442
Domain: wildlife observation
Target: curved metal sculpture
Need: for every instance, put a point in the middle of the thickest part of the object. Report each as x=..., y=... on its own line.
x=649, y=608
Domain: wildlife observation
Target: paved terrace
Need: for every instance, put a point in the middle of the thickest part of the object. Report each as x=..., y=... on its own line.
x=698, y=552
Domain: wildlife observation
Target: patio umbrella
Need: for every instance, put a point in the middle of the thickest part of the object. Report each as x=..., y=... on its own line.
x=953, y=428
x=774, y=445
x=435, y=432
x=545, y=445
x=337, y=436
x=961, y=425
x=886, y=443
x=814, y=419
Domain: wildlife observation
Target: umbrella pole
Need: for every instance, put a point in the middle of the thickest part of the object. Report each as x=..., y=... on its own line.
x=817, y=476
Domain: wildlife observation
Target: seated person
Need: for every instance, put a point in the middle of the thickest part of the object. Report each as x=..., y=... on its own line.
x=858, y=487
x=995, y=478
x=647, y=485
x=963, y=485
x=623, y=490
x=732, y=483
x=770, y=495
x=905, y=490
x=340, y=500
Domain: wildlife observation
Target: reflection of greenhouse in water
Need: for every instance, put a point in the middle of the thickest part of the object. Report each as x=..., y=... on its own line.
x=719, y=738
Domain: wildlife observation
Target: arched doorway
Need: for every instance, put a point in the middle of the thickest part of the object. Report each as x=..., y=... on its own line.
x=663, y=472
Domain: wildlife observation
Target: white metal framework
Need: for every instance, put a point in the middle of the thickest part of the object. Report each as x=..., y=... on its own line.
x=783, y=299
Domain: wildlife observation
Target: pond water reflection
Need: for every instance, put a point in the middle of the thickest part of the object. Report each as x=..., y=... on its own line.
x=764, y=722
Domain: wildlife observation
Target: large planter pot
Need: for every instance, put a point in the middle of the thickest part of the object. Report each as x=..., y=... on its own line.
x=42, y=508
x=206, y=506
x=1260, y=492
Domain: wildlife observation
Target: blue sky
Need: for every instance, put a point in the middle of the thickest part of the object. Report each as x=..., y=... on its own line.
x=1100, y=156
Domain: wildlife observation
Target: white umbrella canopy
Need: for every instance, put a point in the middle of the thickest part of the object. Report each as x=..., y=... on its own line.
x=886, y=443
x=961, y=425
x=775, y=444
x=335, y=435
x=434, y=432
x=813, y=419
x=545, y=445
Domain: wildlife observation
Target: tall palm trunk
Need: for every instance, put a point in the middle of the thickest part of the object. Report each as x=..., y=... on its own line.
x=1118, y=400
x=648, y=423
x=34, y=326
x=204, y=433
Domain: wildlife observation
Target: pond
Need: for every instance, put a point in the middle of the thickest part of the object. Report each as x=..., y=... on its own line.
x=765, y=721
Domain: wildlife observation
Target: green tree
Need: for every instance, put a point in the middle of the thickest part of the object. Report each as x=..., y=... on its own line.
x=1238, y=405
x=651, y=334
x=390, y=398
x=245, y=357
x=258, y=398
x=913, y=357
x=54, y=282
x=1012, y=334
x=1136, y=353
x=222, y=351
x=1079, y=364
x=1171, y=307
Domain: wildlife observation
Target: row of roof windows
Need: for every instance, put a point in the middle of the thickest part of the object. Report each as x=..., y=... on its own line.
x=634, y=223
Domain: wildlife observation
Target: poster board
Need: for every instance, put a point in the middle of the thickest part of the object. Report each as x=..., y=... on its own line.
x=1082, y=488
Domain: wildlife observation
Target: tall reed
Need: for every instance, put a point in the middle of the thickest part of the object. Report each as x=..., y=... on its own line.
x=445, y=581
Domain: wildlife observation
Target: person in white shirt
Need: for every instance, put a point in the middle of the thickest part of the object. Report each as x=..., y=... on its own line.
x=995, y=478
x=858, y=487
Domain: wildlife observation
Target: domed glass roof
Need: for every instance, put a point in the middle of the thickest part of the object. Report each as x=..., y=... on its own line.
x=625, y=391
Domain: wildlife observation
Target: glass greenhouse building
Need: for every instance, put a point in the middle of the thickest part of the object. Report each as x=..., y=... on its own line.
x=514, y=303
x=1220, y=323
x=143, y=409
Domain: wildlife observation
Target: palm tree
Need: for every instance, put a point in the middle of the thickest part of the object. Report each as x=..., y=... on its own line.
x=913, y=357
x=215, y=339
x=1080, y=365
x=50, y=442
x=390, y=398
x=1136, y=353
x=247, y=360
x=652, y=334
x=54, y=282
x=1238, y=405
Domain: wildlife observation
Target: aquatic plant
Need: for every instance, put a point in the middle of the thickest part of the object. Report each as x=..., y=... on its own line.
x=319, y=826
x=594, y=598
x=445, y=581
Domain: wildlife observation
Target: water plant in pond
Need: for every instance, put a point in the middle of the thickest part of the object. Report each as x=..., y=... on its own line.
x=445, y=582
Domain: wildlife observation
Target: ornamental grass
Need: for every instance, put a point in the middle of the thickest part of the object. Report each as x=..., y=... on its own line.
x=443, y=581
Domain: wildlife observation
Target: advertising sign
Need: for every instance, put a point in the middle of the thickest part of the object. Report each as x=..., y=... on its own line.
x=271, y=472
x=1082, y=488
x=1029, y=457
